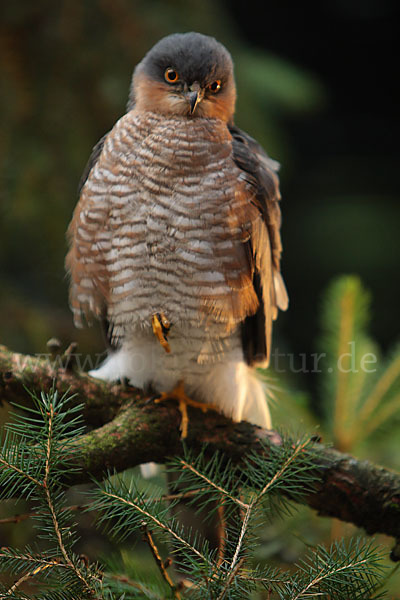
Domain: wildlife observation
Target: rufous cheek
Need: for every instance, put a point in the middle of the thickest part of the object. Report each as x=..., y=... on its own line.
x=156, y=97
x=221, y=105
x=161, y=98
x=215, y=108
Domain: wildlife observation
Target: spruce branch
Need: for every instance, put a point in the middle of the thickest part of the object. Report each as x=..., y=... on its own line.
x=128, y=430
x=341, y=565
x=40, y=441
x=131, y=509
x=349, y=571
x=212, y=484
x=280, y=474
x=232, y=574
x=123, y=506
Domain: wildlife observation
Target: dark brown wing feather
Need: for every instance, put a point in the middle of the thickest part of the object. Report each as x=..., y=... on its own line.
x=262, y=183
x=91, y=162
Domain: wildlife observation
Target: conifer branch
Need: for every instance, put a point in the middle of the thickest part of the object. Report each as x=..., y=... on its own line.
x=230, y=578
x=301, y=447
x=211, y=484
x=129, y=429
x=20, y=472
x=135, y=504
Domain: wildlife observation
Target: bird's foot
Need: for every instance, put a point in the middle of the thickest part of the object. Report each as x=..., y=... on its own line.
x=178, y=393
x=161, y=327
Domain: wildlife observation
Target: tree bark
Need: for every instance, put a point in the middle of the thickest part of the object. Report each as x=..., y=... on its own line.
x=125, y=428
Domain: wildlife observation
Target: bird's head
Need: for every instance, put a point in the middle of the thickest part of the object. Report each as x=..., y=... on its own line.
x=186, y=74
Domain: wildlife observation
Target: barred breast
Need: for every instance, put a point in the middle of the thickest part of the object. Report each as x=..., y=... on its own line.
x=160, y=227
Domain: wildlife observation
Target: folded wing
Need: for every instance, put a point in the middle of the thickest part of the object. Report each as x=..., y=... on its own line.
x=260, y=185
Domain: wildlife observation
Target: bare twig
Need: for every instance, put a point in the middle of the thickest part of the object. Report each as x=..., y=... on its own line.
x=159, y=561
x=17, y=518
x=27, y=576
x=222, y=534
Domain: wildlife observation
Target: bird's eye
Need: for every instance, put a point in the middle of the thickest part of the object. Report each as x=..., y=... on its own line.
x=171, y=75
x=215, y=86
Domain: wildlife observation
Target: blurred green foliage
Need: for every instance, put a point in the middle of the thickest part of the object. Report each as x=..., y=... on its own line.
x=358, y=400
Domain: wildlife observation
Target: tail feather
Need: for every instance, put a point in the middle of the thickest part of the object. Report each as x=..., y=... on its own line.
x=256, y=409
x=237, y=391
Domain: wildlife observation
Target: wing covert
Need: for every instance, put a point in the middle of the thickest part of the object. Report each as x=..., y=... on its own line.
x=259, y=174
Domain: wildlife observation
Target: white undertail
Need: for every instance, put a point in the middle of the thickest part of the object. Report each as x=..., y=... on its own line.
x=223, y=379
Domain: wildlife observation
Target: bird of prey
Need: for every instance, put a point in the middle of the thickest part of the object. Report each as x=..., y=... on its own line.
x=175, y=241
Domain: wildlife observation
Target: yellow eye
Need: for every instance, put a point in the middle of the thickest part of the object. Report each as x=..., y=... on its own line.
x=215, y=86
x=171, y=75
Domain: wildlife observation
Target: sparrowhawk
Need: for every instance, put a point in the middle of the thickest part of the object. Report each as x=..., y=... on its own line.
x=175, y=241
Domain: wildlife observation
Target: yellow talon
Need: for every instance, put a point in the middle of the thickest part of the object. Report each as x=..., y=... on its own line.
x=178, y=393
x=161, y=327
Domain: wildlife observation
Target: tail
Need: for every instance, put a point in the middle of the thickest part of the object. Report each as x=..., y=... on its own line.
x=255, y=409
x=237, y=391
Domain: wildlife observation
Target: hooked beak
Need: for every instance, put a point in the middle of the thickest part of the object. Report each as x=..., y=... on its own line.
x=194, y=95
